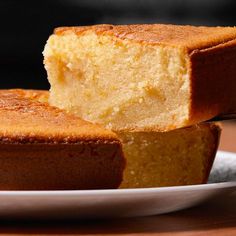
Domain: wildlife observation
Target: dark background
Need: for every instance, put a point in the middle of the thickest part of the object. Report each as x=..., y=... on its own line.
x=26, y=25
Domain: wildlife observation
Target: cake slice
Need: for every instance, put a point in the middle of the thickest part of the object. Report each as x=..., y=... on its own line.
x=143, y=77
x=44, y=148
x=179, y=157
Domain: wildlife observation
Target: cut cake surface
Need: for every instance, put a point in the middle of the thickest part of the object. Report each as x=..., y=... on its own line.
x=179, y=157
x=143, y=77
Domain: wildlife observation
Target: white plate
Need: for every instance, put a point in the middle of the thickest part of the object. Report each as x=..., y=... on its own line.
x=119, y=203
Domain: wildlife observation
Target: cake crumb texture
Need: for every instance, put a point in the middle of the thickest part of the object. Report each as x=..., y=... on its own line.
x=142, y=77
x=180, y=157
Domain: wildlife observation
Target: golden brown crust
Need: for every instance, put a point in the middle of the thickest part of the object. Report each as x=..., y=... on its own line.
x=60, y=166
x=44, y=148
x=37, y=95
x=189, y=37
x=23, y=119
x=213, y=81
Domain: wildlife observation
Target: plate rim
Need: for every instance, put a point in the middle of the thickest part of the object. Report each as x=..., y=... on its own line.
x=97, y=192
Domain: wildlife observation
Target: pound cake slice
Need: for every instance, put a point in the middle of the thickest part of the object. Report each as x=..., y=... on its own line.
x=179, y=157
x=143, y=77
x=44, y=148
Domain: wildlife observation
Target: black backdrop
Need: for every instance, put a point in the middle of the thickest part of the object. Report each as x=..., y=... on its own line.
x=26, y=25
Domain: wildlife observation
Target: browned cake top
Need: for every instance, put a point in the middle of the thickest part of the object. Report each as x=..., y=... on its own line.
x=190, y=37
x=24, y=119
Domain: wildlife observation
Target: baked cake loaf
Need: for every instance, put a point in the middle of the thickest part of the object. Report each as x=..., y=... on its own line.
x=143, y=77
x=180, y=157
x=44, y=148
